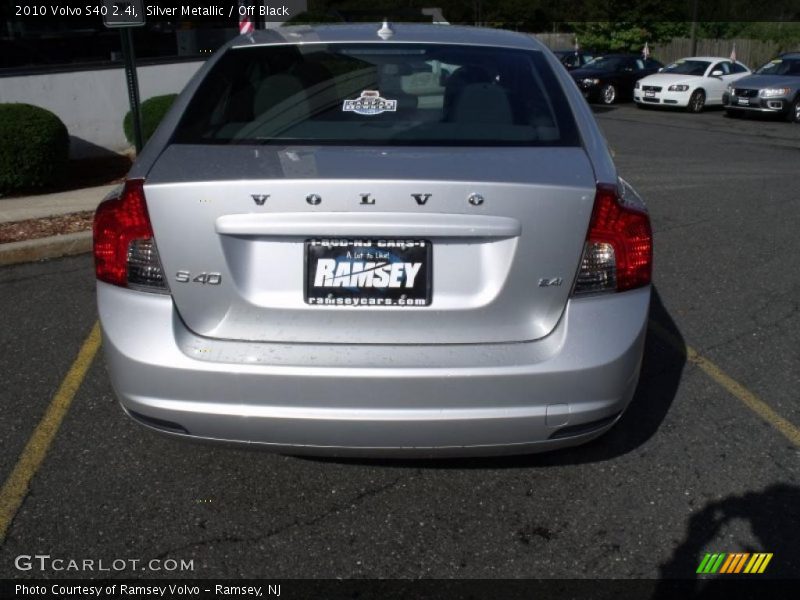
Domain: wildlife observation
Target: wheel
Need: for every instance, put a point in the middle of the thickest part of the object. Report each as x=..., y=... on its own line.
x=608, y=94
x=794, y=111
x=697, y=102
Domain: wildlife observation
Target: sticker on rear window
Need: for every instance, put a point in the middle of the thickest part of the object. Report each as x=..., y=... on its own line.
x=370, y=103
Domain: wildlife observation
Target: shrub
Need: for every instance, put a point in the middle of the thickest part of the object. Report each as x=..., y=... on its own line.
x=152, y=111
x=34, y=147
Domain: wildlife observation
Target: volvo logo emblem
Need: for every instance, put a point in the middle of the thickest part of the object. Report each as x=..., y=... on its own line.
x=474, y=199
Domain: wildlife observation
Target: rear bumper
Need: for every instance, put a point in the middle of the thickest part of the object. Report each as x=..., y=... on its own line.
x=375, y=400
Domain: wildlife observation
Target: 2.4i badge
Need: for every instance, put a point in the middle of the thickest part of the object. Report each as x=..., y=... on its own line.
x=370, y=103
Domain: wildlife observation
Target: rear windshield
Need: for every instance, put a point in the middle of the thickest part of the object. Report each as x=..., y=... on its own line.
x=384, y=94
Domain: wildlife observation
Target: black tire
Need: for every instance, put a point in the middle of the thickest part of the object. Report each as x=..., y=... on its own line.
x=608, y=94
x=793, y=116
x=697, y=102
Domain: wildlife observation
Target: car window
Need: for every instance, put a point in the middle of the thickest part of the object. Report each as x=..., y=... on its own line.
x=738, y=68
x=639, y=64
x=781, y=66
x=402, y=94
x=571, y=60
x=724, y=66
x=608, y=63
x=688, y=67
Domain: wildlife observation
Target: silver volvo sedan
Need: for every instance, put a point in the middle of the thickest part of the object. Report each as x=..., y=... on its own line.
x=374, y=240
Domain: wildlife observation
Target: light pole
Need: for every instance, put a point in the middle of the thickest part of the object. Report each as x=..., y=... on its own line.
x=125, y=15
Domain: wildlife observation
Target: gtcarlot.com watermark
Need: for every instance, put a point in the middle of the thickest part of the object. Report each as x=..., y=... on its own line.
x=47, y=563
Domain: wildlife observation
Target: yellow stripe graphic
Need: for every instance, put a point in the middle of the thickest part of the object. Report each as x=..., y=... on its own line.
x=16, y=486
x=754, y=562
x=765, y=563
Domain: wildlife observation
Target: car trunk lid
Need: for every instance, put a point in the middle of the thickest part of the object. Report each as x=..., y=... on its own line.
x=506, y=228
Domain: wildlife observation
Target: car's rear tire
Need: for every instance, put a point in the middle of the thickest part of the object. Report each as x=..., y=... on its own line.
x=793, y=116
x=697, y=102
x=608, y=94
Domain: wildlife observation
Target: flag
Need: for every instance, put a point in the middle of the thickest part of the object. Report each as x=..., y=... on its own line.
x=245, y=19
x=646, y=51
x=733, y=53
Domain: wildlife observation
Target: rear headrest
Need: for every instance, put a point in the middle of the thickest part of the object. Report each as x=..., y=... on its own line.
x=276, y=89
x=456, y=82
x=482, y=103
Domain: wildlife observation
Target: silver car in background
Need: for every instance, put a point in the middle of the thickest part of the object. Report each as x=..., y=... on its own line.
x=772, y=89
x=376, y=240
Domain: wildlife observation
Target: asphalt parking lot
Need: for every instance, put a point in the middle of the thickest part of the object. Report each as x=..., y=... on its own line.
x=705, y=460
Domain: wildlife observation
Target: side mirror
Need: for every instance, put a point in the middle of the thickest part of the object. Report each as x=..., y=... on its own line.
x=717, y=73
x=660, y=69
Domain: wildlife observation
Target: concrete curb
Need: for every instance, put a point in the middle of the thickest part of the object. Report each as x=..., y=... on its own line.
x=43, y=248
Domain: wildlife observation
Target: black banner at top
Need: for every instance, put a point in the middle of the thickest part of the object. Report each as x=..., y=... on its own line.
x=455, y=11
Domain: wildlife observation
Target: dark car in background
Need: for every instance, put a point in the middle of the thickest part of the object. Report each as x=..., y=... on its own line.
x=772, y=89
x=574, y=59
x=610, y=78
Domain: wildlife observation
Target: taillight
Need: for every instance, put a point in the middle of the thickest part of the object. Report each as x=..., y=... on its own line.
x=125, y=253
x=618, y=254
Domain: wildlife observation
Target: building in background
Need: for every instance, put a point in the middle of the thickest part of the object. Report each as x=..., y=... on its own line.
x=73, y=66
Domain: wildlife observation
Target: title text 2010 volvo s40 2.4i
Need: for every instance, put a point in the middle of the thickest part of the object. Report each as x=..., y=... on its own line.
x=366, y=240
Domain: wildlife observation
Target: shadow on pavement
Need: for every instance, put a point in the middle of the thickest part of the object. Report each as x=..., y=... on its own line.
x=662, y=367
x=80, y=148
x=774, y=518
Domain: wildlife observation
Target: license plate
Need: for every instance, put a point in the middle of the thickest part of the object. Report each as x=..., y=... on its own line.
x=368, y=272
x=650, y=94
x=744, y=101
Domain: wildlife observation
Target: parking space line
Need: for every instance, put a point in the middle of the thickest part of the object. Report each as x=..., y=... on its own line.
x=16, y=486
x=748, y=398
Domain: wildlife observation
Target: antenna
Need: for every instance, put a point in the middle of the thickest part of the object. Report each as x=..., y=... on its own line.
x=386, y=31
